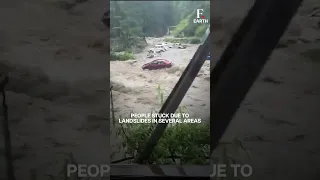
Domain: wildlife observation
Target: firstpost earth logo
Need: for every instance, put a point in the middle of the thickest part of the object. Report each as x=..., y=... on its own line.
x=200, y=18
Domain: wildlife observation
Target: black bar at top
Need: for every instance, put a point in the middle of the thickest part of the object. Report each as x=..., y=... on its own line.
x=160, y=0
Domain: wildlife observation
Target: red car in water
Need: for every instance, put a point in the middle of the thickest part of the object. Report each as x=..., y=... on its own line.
x=157, y=64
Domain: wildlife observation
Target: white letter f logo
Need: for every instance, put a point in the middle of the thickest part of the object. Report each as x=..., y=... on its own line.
x=199, y=12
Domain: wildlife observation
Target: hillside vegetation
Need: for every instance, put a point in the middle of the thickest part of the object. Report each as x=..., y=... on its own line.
x=186, y=27
x=133, y=21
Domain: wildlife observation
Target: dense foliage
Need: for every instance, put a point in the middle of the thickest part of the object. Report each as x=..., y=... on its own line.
x=132, y=21
x=180, y=143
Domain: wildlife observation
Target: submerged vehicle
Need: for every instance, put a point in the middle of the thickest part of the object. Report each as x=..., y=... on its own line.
x=155, y=50
x=166, y=45
x=182, y=46
x=161, y=47
x=157, y=64
x=150, y=55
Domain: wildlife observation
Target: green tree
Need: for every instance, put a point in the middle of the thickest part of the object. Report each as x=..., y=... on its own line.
x=132, y=21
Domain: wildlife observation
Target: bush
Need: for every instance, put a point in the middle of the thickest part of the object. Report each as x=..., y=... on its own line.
x=173, y=142
x=139, y=45
x=200, y=31
x=122, y=56
x=172, y=40
x=195, y=41
x=192, y=40
x=181, y=26
x=117, y=49
x=135, y=44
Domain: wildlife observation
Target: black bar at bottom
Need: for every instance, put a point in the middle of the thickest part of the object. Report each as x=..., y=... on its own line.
x=175, y=172
x=158, y=178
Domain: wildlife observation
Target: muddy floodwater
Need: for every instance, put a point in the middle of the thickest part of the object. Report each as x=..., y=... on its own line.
x=136, y=90
x=58, y=98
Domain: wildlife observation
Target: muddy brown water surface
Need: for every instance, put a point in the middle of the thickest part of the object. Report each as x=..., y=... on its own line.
x=49, y=50
x=135, y=90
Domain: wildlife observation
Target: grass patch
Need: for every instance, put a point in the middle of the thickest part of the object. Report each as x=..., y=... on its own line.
x=189, y=40
x=122, y=56
x=200, y=31
x=186, y=27
x=312, y=54
x=195, y=41
x=181, y=26
x=133, y=45
x=173, y=143
x=176, y=40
